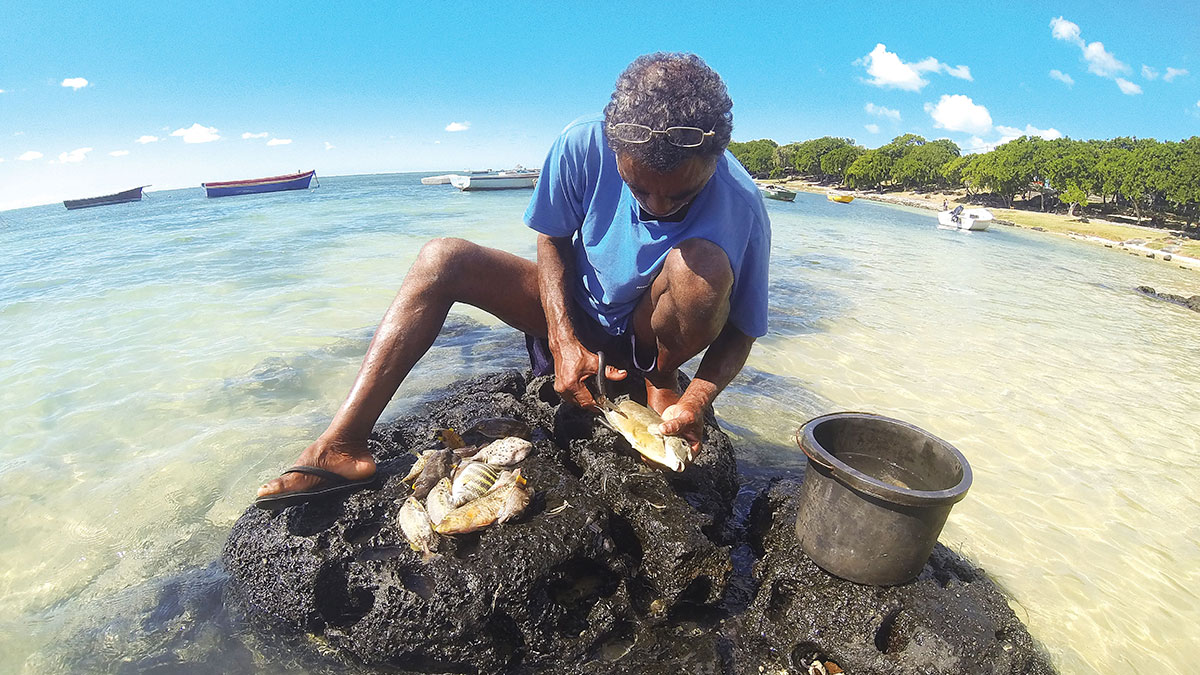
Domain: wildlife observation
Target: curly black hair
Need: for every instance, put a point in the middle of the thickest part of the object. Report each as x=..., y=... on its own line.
x=664, y=90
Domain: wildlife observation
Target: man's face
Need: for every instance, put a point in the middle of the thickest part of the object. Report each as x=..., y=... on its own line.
x=663, y=194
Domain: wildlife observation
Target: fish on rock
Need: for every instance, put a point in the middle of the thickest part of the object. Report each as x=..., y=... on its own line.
x=473, y=480
x=439, y=502
x=437, y=466
x=417, y=528
x=499, y=427
x=505, y=451
x=418, y=466
x=507, y=500
x=642, y=427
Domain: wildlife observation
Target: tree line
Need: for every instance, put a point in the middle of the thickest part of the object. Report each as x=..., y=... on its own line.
x=1151, y=178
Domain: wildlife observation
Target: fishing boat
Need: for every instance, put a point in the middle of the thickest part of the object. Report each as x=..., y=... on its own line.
x=964, y=219
x=444, y=179
x=130, y=195
x=512, y=179
x=777, y=192
x=840, y=198
x=291, y=181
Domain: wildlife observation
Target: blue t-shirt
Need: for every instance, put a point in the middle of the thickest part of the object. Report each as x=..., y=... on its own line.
x=581, y=195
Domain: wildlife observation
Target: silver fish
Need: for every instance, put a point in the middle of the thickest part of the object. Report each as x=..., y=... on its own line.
x=642, y=427
x=439, y=502
x=417, y=528
x=437, y=467
x=472, y=481
x=505, y=452
x=506, y=501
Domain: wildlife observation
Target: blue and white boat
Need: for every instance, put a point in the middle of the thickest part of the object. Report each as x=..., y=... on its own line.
x=291, y=181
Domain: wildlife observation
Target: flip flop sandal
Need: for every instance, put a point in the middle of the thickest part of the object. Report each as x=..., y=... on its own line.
x=331, y=484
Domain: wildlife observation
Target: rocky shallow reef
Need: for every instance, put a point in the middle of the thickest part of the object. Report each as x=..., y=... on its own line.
x=614, y=568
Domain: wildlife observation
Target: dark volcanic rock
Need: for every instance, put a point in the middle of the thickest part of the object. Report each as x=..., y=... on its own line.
x=614, y=568
x=952, y=619
x=606, y=544
x=1192, y=303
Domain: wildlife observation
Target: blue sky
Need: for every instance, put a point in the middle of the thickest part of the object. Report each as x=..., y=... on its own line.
x=230, y=91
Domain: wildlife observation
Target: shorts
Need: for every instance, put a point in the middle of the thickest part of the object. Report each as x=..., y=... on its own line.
x=620, y=351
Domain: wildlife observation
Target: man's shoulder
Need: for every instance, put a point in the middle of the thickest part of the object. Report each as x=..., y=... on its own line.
x=738, y=188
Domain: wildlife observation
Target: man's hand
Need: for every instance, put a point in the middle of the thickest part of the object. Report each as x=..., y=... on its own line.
x=686, y=420
x=574, y=366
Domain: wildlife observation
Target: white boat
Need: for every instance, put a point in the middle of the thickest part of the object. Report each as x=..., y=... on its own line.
x=512, y=179
x=444, y=179
x=965, y=219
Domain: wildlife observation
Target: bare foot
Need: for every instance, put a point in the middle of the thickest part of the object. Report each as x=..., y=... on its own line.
x=347, y=459
x=661, y=398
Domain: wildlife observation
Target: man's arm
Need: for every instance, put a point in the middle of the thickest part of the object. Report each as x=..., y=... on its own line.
x=722, y=361
x=573, y=365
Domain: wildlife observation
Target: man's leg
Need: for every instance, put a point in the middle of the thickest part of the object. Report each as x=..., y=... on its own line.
x=682, y=313
x=446, y=271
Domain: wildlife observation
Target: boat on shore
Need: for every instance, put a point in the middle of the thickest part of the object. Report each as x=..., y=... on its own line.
x=130, y=195
x=512, y=179
x=291, y=181
x=965, y=219
x=839, y=198
x=777, y=192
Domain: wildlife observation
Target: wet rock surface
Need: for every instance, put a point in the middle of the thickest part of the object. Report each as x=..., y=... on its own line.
x=1192, y=303
x=614, y=568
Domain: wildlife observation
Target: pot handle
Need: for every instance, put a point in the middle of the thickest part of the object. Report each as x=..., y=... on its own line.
x=799, y=436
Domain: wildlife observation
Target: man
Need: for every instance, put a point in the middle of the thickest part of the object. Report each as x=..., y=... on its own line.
x=653, y=245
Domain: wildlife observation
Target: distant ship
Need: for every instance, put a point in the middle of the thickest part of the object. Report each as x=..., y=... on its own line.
x=130, y=195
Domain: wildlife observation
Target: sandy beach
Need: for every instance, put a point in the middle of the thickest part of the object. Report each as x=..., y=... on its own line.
x=1159, y=244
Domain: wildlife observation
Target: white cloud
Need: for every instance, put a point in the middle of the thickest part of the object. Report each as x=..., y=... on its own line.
x=1102, y=62
x=329, y=146
x=1062, y=77
x=279, y=141
x=1, y=91
x=1128, y=88
x=458, y=126
x=146, y=139
x=961, y=72
x=959, y=113
x=118, y=153
x=1149, y=73
x=888, y=70
x=75, y=83
x=261, y=134
x=76, y=155
x=1009, y=133
x=197, y=133
x=881, y=111
x=873, y=128
x=1064, y=30
x=30, y=155
x=1173, y=73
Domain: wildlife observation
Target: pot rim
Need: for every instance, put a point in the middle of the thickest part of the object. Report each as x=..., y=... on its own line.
x=863, y=482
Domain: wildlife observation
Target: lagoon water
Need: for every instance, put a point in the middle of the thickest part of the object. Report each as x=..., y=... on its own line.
x=160, y=360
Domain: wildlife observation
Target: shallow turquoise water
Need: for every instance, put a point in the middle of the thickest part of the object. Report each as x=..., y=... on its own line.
x=159, y=360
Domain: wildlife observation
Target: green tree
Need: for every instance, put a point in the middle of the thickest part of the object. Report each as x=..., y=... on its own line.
x=870, y=170
x=921, y=165
x=759, y=157
x=806, y=157
x=836, y=162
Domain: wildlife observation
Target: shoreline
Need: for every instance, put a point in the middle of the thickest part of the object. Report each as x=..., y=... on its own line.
x=1032, y=220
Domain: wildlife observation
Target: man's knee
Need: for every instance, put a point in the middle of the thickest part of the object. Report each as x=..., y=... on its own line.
x=444, y=253
x=699, y=271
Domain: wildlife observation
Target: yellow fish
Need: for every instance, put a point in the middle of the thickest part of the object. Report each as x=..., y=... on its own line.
x=642, y=427
x=507, y=499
